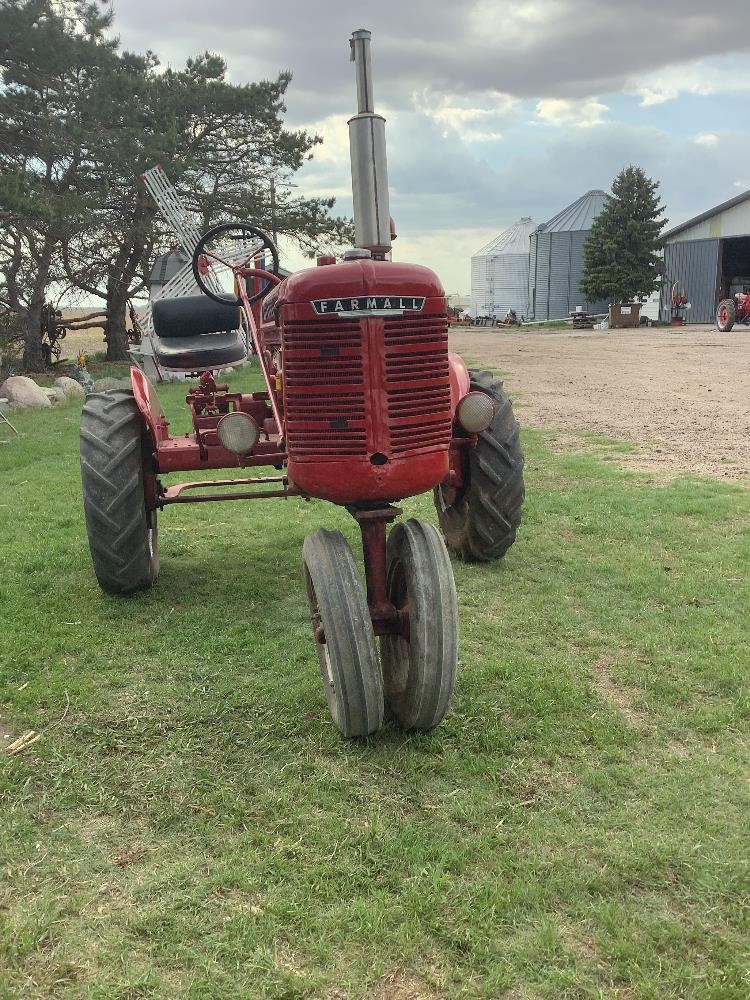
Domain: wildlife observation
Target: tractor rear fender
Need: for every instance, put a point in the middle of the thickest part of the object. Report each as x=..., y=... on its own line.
x=460, y=381
x=460, y=384
x=148, y=403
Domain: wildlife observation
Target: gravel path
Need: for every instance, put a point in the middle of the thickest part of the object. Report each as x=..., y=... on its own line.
x=683, y=396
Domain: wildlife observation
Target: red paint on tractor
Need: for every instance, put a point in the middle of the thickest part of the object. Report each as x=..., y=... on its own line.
x=367, y=396
x=148, y=403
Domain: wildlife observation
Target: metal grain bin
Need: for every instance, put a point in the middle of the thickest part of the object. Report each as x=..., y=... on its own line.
x=500, y=272
x=556, y=260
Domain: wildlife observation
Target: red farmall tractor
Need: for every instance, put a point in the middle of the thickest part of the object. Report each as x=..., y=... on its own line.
x=364, y=405
x=731, y=311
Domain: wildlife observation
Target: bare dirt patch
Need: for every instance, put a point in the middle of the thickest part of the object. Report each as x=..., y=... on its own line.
x=402, y=985
x=7, y=733
x=681, y=395
x=612, y=692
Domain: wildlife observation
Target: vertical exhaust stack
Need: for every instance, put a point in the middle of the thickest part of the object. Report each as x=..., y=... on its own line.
x=372, y=217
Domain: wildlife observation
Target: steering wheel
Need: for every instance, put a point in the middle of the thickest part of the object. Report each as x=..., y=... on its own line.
x=230, y=248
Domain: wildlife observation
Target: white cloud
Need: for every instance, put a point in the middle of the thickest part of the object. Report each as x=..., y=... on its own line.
x=580, y=114
x=706, y=138
x=473, y=117
x=702, y=78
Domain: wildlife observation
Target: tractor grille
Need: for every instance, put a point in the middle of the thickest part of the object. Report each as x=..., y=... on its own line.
x=417, y=382
x=324, y=390
x=328, y=389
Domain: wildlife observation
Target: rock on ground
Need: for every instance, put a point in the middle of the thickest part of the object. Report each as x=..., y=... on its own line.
x=69, y=386
x=21, y=391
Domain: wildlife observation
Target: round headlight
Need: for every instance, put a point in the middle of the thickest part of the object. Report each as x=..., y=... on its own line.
x=475, y=412
x=238, y=432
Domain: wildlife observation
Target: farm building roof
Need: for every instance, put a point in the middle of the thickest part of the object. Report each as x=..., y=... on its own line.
x=707, y=215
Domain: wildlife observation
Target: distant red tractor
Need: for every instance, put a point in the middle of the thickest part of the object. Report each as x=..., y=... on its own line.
x=364, y=405
x=731, y=311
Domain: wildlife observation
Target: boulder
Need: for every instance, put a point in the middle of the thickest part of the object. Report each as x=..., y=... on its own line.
x=21, y=391
x=58, y=395
x=69, y=386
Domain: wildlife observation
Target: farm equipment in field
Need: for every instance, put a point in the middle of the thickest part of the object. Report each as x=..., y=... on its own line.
x=363, y=406
x=679, y=302
x=734, y=310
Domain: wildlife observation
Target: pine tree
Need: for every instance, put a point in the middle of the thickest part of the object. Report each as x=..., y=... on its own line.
x=226, y=150
x=52, y=55
x=620, y=254
x=79, y=123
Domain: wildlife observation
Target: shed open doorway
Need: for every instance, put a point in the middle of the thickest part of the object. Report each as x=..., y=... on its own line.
x=734, y=266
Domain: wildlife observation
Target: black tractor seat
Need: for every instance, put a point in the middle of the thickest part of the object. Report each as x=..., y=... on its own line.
x=194, y=333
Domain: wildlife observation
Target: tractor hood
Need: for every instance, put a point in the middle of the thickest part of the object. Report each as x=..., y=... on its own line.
x=361, y=287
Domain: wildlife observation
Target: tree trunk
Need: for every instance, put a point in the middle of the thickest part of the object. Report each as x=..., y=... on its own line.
x=33, y=356
x=117, y=334
x=116, y=330
x=120, y=281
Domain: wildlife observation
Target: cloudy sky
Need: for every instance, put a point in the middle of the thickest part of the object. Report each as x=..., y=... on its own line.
x=495, y=109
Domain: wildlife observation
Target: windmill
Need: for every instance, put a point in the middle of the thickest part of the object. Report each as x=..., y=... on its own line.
x=175, y=214
x=182, y=282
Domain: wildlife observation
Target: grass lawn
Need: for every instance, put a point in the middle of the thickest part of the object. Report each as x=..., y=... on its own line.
x=190, y=824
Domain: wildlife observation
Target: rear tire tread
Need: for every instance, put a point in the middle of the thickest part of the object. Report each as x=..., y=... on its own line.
x=481, y=525
x=729, y=305
x=112, y=433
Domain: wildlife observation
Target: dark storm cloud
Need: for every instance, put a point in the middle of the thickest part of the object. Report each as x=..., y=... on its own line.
x=560, y=48
x=441, y=70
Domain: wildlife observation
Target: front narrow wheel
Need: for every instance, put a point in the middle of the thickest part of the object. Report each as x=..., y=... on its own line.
x=420, y=673
x=344, y=638
x=121, y=530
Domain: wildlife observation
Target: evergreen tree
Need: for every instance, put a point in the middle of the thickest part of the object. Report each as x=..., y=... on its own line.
x=225, y=149
x=52, y=55
x=621, y=250
x=79, y=124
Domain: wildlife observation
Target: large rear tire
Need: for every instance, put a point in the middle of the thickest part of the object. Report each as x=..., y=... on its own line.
x=121, y=530
x=726, y=315
x=419, y=674
x=348, y=658
x=480, y=520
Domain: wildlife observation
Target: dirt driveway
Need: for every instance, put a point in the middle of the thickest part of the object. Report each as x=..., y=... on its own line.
x=683, y=396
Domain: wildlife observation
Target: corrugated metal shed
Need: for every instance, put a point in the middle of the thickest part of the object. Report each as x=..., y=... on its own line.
x=556, y=260
x=500, y=272
x=731, y=218
x=710, y=255
x=694, y=263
